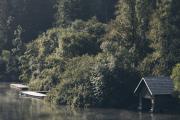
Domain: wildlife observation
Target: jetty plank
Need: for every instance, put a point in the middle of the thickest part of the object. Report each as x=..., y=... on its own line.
x=19, y=87
x=33, y=94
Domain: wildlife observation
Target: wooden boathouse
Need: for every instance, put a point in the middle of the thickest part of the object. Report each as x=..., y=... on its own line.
x=153, y=88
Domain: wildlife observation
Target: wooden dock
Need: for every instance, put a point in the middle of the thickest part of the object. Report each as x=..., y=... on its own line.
x=19, y=87
x=23, y=89
x=33, y=94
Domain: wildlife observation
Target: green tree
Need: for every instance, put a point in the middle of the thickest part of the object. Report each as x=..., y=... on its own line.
x=122, y=33
x=70, y=10
x=93, y=81
x=3, y=24
x=34, y=16
x=176, y=77
x=81, y=38
x=163, y=39
x=4, y=58
x=33, y=61
x=57, y=45
x=174, y=43
x=75, y=88
x=3, y=36
x=144, y=9
x=16, y=52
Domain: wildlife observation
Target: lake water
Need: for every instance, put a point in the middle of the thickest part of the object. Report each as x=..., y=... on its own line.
x=13, y=107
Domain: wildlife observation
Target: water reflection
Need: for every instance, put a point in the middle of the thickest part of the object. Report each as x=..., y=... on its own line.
x=13, y=107
x=151, y=116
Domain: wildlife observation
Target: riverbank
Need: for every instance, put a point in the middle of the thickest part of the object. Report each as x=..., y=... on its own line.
x=172, y=107
x=14, y=107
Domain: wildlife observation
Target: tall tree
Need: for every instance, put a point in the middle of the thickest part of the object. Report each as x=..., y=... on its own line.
x=3, y=20
x=174, y=49
x=70, y=10
x=144, y=9
x=34, y=16
x=126, y=21
x=163, y=35
x=103, y=9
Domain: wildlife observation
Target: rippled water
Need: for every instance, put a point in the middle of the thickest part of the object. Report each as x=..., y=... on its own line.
x=13, y=107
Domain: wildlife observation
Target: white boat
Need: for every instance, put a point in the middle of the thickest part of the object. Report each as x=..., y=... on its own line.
x=33, y=94
x=19, y=87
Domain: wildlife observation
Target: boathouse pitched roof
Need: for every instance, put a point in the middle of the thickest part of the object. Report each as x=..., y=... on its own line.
x=157, y=85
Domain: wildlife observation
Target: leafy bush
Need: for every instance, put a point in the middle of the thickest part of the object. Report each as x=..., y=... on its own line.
x=46, y=56
x=75, y=87
x=2, y=68
x=176, y=77
x=73, y=44
x=5, y=55
x=93, y=81
x=34, y=60
x=81, y=38
x=152, y=65
x=78, y=67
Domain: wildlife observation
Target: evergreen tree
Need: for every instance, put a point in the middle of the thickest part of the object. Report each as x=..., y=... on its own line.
x=70, y=10
x=16, y=52
x=163, y=37
x=3, y=25
x=144, y=10
x=174, y=49
x=34, y=16
x=124, y=29
x=176, y=77
x=103, y=9
x=159, y=28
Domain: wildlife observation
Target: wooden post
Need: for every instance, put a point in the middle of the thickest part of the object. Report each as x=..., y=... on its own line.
x=152, y=117
x=140, y=102
x=140, y=116
x=152, y=104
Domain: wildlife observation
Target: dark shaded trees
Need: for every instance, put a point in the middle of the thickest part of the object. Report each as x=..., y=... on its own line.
x=34, y=16
x=3, y=36
x=176, y=77
x=93, y=56
x=162, y=35
x=54, y=48
x=70, y=10
x=21, y=21
x=3, y=24
x=125, y=31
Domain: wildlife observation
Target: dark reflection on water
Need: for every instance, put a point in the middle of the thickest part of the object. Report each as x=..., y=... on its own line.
x=12, y=107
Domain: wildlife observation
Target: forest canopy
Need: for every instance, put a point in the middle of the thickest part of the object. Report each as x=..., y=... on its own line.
x=89, y=52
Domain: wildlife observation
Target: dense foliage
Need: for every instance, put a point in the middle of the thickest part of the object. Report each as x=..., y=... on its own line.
x=88, y=52
x=70, y=10
x=176, y=77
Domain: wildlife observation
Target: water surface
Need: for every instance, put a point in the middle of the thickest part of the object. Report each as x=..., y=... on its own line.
x=13, y=107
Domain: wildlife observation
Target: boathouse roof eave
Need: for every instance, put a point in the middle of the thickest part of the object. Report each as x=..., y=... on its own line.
x=146, y=86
